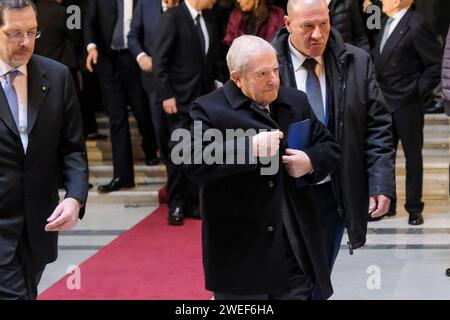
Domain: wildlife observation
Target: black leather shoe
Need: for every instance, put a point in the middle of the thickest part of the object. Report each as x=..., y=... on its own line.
x=415, y=219
x=176, y=217
x=151, y=162
x=116, y=184
x=391, y=213
x=193, y=213
x=96, y=136
x=370, y=219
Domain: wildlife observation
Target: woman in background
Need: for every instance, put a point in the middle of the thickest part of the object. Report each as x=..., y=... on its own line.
x=254, y=17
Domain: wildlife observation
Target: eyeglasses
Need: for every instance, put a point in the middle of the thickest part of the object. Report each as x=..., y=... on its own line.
x=19, y=36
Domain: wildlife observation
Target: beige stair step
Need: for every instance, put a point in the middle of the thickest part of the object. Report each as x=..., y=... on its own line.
x=138, y=196
x=436, y=118
x=103, y=122
x=428, y=153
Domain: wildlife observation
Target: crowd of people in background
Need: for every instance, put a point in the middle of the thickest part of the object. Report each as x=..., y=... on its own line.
x=369, y=87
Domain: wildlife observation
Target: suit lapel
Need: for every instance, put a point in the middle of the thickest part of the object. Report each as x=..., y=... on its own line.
x=38, y=86
x=5, y=113
x=395, y=38
x=187, y=16
x=210, y=28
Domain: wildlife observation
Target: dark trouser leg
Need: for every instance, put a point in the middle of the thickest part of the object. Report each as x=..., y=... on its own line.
x=182, y=192
x=332, y=225
x=114, y=99
x=19, y=279
x=408, y=124
x=159, y=120
x=130, y=75
x=86, y=106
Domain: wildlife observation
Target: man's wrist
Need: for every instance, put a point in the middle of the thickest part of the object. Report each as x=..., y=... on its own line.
x=140, y=56
x=91, y=46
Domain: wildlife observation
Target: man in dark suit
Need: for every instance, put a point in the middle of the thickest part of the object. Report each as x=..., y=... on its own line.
x=41, y=138
x=340, y=82
x=140, y=39
x=261, y=235
x=62, y=44
x=407, y=58
x=186, y=63
x=106, y=27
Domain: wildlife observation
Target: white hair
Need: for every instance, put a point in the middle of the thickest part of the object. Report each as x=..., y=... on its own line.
x=243, y=48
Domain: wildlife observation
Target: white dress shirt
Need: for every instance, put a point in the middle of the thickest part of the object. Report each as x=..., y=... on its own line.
x=301, y=74
x=194, y=14
x=21, y=87
x=397, y=17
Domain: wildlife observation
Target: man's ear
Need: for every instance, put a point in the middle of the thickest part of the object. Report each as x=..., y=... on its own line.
x=287, y=23
x=234, y=75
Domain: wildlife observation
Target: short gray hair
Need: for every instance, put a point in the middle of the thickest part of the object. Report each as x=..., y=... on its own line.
x=243, y=48
x=14, y=5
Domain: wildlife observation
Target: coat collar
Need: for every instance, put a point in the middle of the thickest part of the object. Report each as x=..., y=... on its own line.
x=38, y=87
x=237, y=99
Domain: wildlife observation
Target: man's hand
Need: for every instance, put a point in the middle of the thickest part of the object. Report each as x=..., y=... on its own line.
x=65, y=216
x=145, y=63
x=266, y=144
x=378, y=205
x=297, y=163
x=170, y=106
x=92, y=58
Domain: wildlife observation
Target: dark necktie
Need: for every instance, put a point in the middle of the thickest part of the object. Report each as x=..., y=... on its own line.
x=313, y=89
x=200, y=32
x=11, y=95
x=118, y=41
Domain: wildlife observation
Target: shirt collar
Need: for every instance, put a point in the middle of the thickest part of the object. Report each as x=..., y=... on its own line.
x=399, y=15
x=298, y=58
x=5, y=68
x=194, y=13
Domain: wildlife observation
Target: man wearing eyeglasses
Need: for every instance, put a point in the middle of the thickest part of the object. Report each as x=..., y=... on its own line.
x=41, y=137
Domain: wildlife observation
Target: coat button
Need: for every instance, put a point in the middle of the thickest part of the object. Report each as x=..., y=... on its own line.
x=394, y=64
x=270, y=184
x=270, y=229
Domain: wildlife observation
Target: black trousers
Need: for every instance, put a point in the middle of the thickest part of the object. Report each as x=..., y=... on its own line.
x=19, y=278
x=159, y=121
x=121, y=86
x=408, y=127
x=301, y=285
x=84, y=83
x=181, y=191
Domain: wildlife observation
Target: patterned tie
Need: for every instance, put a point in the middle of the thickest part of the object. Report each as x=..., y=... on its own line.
x=200, y=32
x=11, y=95
x=118, y=41
x=313, y=89
x=385, y=36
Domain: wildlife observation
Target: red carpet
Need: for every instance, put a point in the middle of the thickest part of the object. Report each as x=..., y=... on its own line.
x=152, y=261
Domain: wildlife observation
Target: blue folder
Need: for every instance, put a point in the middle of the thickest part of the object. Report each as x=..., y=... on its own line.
x=299, y=138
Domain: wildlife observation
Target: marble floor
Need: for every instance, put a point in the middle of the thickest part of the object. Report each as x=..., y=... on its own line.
x=398, y=262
